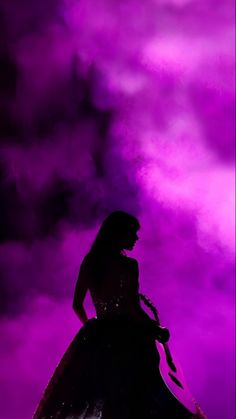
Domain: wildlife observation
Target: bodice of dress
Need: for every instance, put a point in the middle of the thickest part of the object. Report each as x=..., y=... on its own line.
x=113, y=306
x=119, y=291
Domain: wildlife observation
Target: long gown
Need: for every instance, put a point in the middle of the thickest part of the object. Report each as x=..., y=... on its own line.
x=110, y=369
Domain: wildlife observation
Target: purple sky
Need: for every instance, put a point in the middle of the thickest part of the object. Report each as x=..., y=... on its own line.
x=117, y=105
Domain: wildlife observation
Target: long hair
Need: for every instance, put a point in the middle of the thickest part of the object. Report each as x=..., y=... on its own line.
x=108, y=239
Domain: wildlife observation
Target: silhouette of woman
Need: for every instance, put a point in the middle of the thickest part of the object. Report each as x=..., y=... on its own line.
x=110, y=370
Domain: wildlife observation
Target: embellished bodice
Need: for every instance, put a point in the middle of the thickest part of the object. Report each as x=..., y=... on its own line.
x=115, y=305
x=119, y=291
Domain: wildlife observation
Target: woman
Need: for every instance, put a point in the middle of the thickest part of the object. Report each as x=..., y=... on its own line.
x=110, y=370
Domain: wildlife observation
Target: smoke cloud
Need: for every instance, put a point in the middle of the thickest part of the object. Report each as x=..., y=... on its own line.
x=110, y=105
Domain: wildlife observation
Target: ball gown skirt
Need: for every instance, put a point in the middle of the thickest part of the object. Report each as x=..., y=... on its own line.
x=109, y=371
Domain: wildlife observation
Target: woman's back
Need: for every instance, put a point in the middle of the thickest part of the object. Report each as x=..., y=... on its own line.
x=114, y=288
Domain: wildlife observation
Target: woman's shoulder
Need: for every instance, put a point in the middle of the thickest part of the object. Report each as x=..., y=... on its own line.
x=91, y=260
x=86, y=261
x=131, y=261
x=86, y=258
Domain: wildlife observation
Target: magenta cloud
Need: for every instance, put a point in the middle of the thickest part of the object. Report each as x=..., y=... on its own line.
x=117, y=105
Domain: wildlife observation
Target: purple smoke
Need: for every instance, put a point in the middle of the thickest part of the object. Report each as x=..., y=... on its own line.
x=107, y=105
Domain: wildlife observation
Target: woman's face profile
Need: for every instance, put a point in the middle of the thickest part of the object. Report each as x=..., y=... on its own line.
x=129, y=239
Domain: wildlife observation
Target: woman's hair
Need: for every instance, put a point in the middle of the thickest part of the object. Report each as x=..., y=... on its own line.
x=117, y=224
x=108, y=240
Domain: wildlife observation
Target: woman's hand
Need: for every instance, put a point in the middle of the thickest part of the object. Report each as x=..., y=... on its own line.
x=163, y=334
x=160, y=333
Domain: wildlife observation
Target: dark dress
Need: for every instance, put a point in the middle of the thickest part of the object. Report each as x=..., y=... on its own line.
x=110, y=370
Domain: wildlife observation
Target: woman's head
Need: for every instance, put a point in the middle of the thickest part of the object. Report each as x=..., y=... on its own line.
x=118, y=232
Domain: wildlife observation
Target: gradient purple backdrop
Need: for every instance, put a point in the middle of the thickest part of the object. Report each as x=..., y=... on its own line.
x=105, y=105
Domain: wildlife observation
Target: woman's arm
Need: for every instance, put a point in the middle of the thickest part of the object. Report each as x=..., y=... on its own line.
x=138, y=311
x=80, y=293
x=161, y=333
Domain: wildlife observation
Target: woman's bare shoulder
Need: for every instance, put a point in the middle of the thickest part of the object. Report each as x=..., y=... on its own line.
x=132, y=261
x=86, y=261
